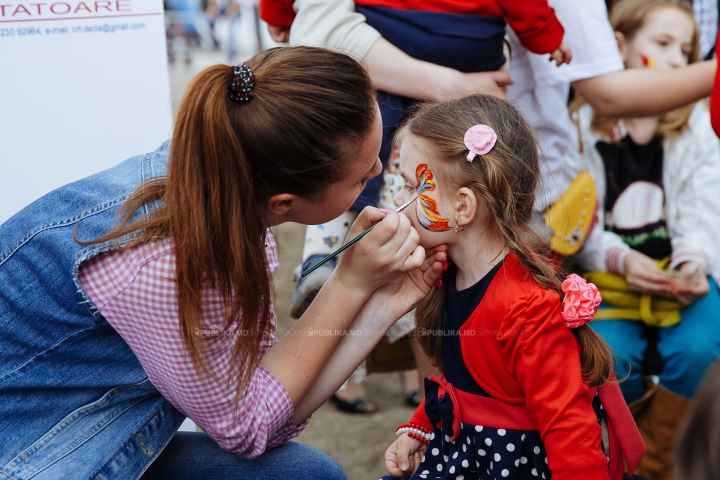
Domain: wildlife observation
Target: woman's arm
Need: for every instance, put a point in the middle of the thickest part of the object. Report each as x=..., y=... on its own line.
x=360, y=338
x=641, y=92
x=384, y=255
x=378, y=314
x=134, y=290
x=396, y=72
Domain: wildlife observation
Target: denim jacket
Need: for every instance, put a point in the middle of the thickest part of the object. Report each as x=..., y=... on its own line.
x=74, y=400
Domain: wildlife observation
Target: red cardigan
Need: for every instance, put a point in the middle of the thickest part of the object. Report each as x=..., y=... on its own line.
x=518, y=349
x=533, y=21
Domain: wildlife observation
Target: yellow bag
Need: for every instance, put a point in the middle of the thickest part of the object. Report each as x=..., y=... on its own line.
x=571, y=216
x=655, y=311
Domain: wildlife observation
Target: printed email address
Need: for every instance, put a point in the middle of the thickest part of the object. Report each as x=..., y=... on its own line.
x=108, y=28
x=99, y=28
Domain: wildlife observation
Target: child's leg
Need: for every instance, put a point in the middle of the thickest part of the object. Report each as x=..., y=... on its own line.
x=326, y=238
x=195, y=456
x=352, y=396
x=689, y=347
x=320, y=241
x=687, y=350
x=626, y=340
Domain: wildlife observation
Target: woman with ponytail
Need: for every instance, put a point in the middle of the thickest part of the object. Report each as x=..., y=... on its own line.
x=525, y=381
x=142, y=295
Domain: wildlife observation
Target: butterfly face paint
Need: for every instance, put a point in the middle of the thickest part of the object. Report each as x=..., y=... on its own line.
x=427, y=209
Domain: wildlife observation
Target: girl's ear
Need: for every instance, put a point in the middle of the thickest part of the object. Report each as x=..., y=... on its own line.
x=281, y=204
x=622, y=45
x=466, y=206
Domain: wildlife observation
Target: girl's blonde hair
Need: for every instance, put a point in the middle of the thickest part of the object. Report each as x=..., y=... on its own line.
x=505, y=180
x=628, y=17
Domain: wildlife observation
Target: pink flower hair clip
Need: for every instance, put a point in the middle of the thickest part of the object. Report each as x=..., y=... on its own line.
x=581, y=301
x=479, y=139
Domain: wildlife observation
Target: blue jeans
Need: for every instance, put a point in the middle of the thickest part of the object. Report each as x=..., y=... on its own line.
x=686, y=349
x=195, y=456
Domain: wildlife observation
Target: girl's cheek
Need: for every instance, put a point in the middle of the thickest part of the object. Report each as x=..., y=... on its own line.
x=409, y=213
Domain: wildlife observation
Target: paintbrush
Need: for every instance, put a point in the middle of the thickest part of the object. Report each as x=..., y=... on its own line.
x=351, y=242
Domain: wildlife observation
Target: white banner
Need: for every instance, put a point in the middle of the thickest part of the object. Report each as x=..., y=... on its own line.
x=83, y=86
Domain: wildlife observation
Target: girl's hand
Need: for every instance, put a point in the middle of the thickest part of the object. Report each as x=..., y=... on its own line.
x=386, y=253
x=404, y=293
x=642, y=275
x=561, y=55
x=403, y=457
x=690, y=283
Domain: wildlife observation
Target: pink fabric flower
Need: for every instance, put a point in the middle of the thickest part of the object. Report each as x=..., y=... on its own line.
x=479, y=139
x=582, y=299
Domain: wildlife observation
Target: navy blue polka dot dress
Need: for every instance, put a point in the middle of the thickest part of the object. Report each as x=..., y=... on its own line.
x=478, y=453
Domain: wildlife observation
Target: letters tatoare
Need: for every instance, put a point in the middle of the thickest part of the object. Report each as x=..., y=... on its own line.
x=51, y=9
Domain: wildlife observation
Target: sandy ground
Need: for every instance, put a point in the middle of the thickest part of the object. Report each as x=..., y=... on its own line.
x=358, y=442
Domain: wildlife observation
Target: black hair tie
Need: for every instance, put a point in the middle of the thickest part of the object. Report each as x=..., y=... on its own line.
x=241, y=88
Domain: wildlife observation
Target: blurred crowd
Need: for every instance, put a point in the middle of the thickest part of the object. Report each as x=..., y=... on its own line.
x=213, y=25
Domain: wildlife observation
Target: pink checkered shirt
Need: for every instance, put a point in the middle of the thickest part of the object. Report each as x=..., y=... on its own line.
x=135, y=291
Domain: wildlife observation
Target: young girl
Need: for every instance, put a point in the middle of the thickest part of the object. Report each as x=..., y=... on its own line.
x=463, y=39
x=111, y=335
x=518, y=395
x=653, y=252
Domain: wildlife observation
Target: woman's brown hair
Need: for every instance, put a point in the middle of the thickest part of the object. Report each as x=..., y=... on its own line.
x=298, y=134
x=505, y=180
x=628, y=17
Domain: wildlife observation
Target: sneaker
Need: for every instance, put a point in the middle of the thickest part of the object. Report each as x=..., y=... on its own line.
x=308, y=287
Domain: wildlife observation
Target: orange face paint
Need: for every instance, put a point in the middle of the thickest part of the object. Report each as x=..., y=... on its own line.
x=648, y=61
x=426, y=207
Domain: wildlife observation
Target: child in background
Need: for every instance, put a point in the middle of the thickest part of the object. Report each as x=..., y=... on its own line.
x=524, y=382
x=653, y=251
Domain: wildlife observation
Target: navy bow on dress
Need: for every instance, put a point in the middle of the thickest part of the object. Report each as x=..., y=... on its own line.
x=441, y=405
